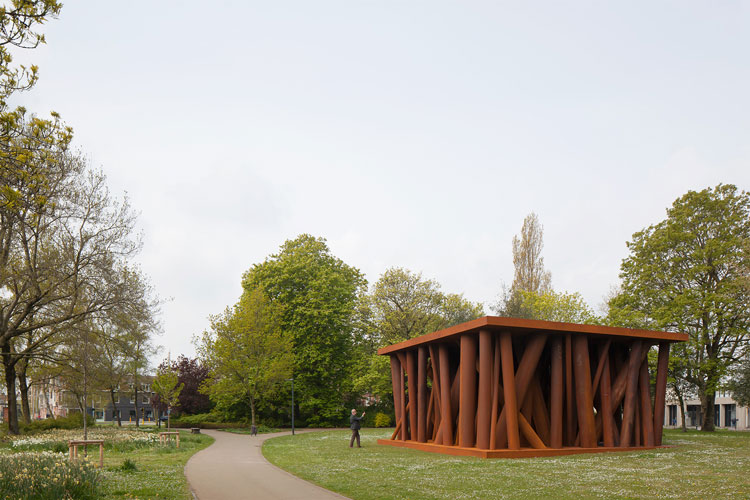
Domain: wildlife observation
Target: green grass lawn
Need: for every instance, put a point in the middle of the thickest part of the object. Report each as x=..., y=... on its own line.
x=152, y=470
x=262, y=429
x=700, y=466
x=159, y=470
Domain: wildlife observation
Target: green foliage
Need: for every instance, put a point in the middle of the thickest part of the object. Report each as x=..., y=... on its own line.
x=317, y=294
x=402, y=305
x=42, y=476
x=739, y=385
x=165, y=384
x=18, y=24
x=557, y=306
x=247, y=352
x=72, y=421
x=382, y=420
x=689, y=273
x=128, y=466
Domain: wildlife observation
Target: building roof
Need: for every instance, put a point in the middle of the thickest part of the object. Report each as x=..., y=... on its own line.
x=528, y=326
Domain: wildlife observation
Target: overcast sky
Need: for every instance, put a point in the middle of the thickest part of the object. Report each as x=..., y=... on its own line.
x=415, y=134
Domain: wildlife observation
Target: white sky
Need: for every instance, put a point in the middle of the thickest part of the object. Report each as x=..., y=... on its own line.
x=415, y=134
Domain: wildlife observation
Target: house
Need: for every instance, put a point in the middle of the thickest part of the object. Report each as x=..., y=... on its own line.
x=50, y=398
x=727, y=413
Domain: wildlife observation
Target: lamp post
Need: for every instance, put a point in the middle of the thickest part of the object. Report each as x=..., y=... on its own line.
x=292, y=381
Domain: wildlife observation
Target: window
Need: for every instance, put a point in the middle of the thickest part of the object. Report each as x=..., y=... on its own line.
x=730, y=416
x=672, y=415
x=717, y=415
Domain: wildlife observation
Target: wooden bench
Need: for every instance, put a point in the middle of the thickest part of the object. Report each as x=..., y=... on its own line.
x=73, y=448
x=195, y=430
x=167, y=436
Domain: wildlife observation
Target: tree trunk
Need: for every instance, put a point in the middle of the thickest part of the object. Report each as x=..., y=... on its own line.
x=115, y=411
x=135, y=392
x=707, y=406
x=23, y=386
x=49, y=406
x=681, y=400
x=10, y=387
x=252, y=411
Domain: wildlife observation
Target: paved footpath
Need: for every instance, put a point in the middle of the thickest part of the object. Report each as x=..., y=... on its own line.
x=233, y=468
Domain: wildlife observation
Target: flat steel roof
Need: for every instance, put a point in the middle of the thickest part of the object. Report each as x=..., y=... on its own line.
x=517, y=325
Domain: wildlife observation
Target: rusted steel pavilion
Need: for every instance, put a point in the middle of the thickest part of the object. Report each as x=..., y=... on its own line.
x=507, y=387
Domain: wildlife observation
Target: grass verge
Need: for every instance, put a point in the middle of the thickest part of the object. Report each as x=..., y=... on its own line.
x=701, y=466
x=135, y=464
x=262, y=429
x=153, y=472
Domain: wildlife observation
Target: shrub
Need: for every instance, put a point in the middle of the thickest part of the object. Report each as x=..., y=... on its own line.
x=42, y=476
x=382, y=420
x=73, y=421
x=128, y=466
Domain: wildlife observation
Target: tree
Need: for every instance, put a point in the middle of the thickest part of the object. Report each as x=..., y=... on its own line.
x=18, y=24
x=317, y=294
x=554, y=306
x=405, y=305
x=529, y=274
x=192, y=374
x=739, y=385
x=246, y=351
x=402, y=305
x=167, y=386
x=690, y=273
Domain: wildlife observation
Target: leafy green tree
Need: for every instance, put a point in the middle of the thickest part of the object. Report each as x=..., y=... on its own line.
x=317, y=294
x=403, y=305
x=247, y=352
x=167, y=386
x=690, y=273
x=18, y=28
x=557, y=306
x=739, y=385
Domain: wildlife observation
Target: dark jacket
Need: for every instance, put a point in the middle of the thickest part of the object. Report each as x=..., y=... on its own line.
x=355, y=422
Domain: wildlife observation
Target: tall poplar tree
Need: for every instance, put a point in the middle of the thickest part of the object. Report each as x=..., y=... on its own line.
x=529, y=272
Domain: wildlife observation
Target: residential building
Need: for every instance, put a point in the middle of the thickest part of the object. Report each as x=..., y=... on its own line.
x=727, y=413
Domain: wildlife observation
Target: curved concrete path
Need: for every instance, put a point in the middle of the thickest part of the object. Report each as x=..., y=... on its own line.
x=233, y=467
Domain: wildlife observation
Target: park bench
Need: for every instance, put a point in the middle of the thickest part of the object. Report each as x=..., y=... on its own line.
x=167, y=436
x=195, y=430
x=73, y=448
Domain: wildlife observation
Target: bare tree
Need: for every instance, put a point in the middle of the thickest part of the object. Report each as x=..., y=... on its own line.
x=64, y=242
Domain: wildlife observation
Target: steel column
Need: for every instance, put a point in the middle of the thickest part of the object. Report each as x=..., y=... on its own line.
x=511, y=405
x=468, y=391
x=661, y=388
x=422, y=395
x=584, y=399
x=484, y=394
x=556, y=393
x=446, y=419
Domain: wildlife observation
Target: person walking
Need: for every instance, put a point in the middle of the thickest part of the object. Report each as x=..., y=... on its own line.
x=355, y=424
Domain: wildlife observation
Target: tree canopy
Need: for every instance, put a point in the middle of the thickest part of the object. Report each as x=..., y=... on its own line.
x=689, y=273
x=317, y=294
x=247, y=352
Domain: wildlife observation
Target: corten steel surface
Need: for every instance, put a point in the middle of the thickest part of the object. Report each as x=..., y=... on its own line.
x=507, y=387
